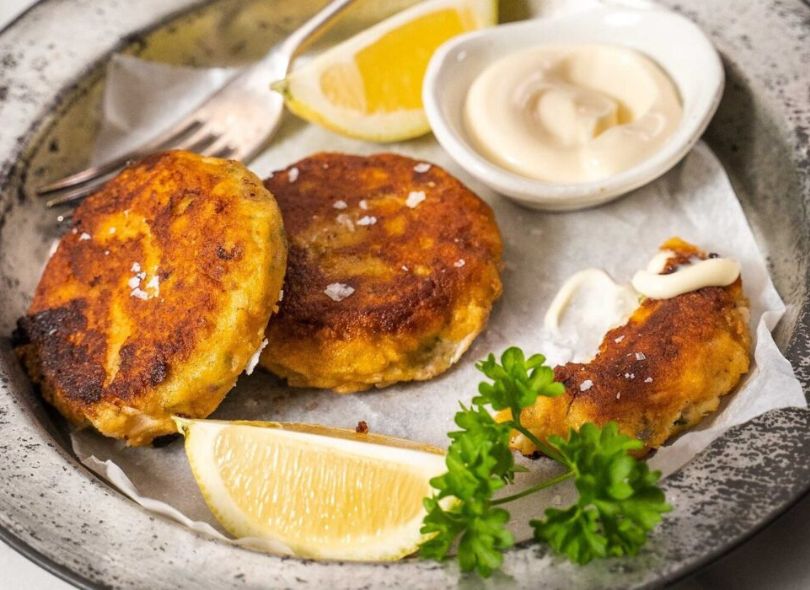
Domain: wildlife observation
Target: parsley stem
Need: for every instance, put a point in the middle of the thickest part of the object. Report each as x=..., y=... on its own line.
x=543, y=447
x=535, y=488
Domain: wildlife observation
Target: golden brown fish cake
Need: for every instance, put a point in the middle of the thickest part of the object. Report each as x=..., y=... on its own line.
x=412, y=257
x=157, y=298
x=660, y=373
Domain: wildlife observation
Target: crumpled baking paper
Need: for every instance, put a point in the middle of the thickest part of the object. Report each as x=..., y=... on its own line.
x=694, y=200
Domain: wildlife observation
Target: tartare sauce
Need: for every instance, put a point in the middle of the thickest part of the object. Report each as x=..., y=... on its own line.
x=570, y=114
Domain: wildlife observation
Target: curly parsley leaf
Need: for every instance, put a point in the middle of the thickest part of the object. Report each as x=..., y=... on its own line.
x=480, y=462
x=516, y=381
x=619, y=500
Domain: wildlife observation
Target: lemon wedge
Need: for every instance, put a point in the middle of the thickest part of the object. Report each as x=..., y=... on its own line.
x=321, y=492
x=370, y=86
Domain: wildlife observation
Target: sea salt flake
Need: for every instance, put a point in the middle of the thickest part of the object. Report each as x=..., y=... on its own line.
x=292, y=175
x=585, y=385
x=640, y=356
x=135, y=267
x=405, y=268
x=367, y=220
x=648, y=380
x=618, y=339
x=154, y=283
x=338, y=291
x=74, y=230
x=84, y=236
x=134, y=283
x=112, y=230
x=345, y=221
x=340, y=204
x=421, y=167
x=619, y=395
x=254, y=360
x=414, y=198
x=459, y=263
x=140, y=294
x=281, y=295
x=363, y=205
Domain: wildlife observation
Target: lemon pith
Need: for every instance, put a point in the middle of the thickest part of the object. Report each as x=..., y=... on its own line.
x=320, y=492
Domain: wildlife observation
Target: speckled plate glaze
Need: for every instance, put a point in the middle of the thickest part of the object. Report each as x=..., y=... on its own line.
x=57, y=513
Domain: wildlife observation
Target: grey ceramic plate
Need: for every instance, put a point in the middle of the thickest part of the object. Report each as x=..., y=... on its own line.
x=59, y=514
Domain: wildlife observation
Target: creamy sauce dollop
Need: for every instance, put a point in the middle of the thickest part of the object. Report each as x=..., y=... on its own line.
x=588, y=305
x=714, y=272
x=571, y=114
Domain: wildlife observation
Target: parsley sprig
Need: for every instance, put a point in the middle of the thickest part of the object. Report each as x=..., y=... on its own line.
x=618, y=503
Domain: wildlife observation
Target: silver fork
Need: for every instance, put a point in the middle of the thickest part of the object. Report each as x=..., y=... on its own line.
x=234, y=122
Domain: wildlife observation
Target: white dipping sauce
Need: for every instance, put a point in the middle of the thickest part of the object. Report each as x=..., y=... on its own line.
x=571, y=114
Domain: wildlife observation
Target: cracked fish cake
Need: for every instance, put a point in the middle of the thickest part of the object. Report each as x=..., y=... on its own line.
x=661, y=372
x=157, y=298
x=393, y=270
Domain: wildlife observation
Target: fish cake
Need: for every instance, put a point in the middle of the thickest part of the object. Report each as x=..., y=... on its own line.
x=393, y=270
x=660, y=373
x=157, y=298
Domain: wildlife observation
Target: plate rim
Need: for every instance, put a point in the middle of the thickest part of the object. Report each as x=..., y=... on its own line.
x=798, y=347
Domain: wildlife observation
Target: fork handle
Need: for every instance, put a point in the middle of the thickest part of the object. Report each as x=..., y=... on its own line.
x=313, y=28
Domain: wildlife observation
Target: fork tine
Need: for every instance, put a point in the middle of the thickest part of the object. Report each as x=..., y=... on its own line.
x=170, y=137
x=225, y=152
x=77, y=194
x=221, y=148
x=198, y=142
x=90, y=186
x=91, y=173
x=87, y=175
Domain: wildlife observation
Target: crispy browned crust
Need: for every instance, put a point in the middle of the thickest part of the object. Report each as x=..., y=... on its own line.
x=422, y=276
x=124, y=364
x=661, y=372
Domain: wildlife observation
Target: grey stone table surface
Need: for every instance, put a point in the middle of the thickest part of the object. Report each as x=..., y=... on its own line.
x=775, y=558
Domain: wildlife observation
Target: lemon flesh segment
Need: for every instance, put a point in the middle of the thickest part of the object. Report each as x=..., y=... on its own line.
x=322, y=493
x=370, y=86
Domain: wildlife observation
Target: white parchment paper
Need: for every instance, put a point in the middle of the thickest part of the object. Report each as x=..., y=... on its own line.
x=694, y=201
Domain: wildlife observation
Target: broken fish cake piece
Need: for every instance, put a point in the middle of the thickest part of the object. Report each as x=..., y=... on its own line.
x=157, y=298
x=393, y=270
x=661, y=372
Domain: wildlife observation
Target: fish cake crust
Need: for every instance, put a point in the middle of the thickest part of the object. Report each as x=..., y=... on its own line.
x=412, y=255
x=157, y=298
